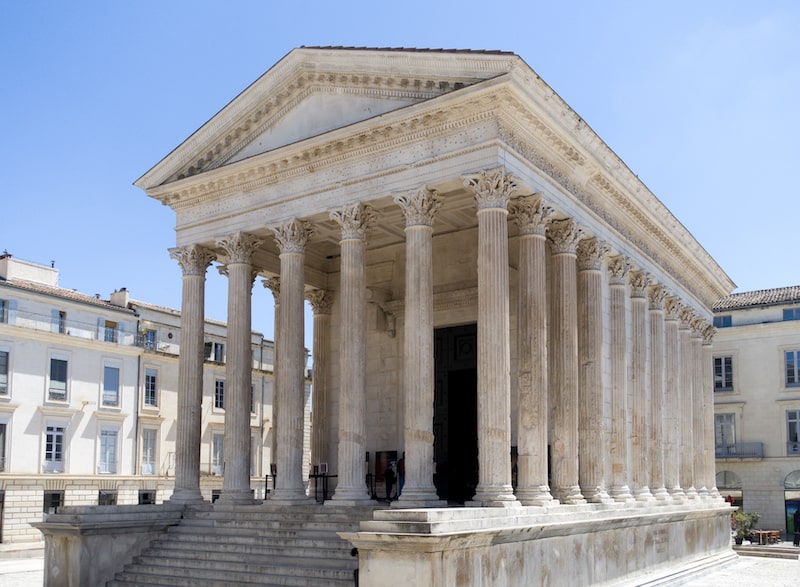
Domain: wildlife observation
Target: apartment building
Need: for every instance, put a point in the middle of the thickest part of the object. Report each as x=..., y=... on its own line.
x=88, y=400
x=756, y=357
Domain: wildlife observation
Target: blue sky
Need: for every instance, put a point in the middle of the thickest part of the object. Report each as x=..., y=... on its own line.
x=700, y=99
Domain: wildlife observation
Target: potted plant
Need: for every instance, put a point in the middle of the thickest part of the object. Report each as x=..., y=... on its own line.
x=743, y=525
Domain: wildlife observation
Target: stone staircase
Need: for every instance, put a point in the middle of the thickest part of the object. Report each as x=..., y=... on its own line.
x=783, y=550
x=266, y=545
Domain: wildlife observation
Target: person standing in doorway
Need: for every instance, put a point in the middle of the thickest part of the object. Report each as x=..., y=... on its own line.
x=388, y=480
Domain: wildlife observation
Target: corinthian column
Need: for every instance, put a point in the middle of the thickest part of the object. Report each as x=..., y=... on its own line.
x=686, y=315
x=639, y=386
x=708, y=413
x=656, y=440
x=419, y=208
x=564, y=236
x=351, y=487
x=273, y=284
x=238, y=367
x=532, y=217
x=492, y=192
x=672, y=403
x=698, y=409
x=320, y=301
x=193, y=261
x=618, y=268
x=593, y=448
x=291, y=239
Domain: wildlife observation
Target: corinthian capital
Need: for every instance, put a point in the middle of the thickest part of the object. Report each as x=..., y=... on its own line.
x=493, y=188
x=194, y=259
x=293, y=236
x=419, y=206
x=639, y=281
x=697, y=325
x=655, y=295
x=273, y=284
x=672, y=306
x=320, y=301
x=354, y=220
x=708, y=334
x=591, y=252
x=685, y=315
x=564, y=235
x=531, y=214
x=239, y=247
x=618, y=267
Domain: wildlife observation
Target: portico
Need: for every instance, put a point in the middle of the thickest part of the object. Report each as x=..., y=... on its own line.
x=405, y=191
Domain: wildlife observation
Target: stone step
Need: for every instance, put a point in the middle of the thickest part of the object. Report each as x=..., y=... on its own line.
x=234, y=562
x=257, y=533
x=785, y=552
x=301, y=548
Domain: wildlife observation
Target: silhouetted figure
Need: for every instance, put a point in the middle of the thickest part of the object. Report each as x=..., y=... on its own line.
x=388, y=480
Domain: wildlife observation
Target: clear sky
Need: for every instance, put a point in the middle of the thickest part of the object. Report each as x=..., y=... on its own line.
x=700, y=99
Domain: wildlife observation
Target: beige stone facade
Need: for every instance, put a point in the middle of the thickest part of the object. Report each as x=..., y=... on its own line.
x=485, y=254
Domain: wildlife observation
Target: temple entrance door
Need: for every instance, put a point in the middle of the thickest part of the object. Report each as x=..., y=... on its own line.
x=455, y=413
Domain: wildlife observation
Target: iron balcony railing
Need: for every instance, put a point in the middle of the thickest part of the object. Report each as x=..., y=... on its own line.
x=740, y=450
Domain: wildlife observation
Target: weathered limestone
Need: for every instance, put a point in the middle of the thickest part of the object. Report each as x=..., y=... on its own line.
x=592, y=434
x=618, y=267
x=639, y=379
x=492, y=191
x=193, y=261
x=698, y=416
x=532, y=217
x=657, y=439
x=419, y=208
x=564, y=236
x=708, y=412
x=353, y=221
x=273, y=284
x=238, y=364
x=672, y=403
x=289, y=483
x=321, y=303
x=686, y=314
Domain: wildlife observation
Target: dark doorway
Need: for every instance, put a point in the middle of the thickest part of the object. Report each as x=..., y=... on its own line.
x=455, y=415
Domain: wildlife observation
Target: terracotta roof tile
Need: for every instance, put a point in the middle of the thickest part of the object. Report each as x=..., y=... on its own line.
x=761, y=297
x=60, y=292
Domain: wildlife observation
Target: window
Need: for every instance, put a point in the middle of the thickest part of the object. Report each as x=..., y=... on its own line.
x=252, y=399
x=3, y=371
x=151, y=388
x=725, y=433
x=791, y=314
x=219, y=394
x=150, y=339
x=62, y=322
x=54, y=448
x=722, y=321
x=723, y=373
x=110, y=385
x=149, y=450
x=792, y=368
x=3, y=310
x=58, y=379
x=3, y=430
x=793, y=432
x=107, y=497
x=218, y=454
x=215, y=351
x=52, y=501
x=147, y=496
x=107, y=462
x=110, y=331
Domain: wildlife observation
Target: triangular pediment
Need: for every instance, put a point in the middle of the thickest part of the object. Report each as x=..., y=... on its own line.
x=313, y=91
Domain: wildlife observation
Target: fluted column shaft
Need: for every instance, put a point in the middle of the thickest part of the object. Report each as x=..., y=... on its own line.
x=492, y=191
x=618, y=268
x=533, y=487
x=672, y=403
x=291, y=239
x=564, y=235
x=698, y=408
x=656, y=440
x=351, y=486
x=686, y=403
x=238, y=368
x=639, y=379
x=708, y=413
x=593, y=448
x=193, y=261
x=320, y=301
x=274, y=285
x=419, y=208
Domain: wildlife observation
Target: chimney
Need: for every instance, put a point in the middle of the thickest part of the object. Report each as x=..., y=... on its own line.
x=120, y=298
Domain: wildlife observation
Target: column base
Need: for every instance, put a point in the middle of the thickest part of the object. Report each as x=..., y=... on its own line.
x=643, y=494
x=496, y=496
x=621, y=493
x=691, y=493
x=661, y=494
x=418, y=498
x=237, y=497
x=186, y=496
x=596, y=495
x=677, y=493
x=569, y=495
x=538, y=496
x=350, y=496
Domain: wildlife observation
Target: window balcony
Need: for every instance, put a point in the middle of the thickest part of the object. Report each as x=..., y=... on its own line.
x=740, y=450
x=793, y=449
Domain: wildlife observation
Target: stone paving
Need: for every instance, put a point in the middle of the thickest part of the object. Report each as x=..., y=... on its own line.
x=746, y=570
